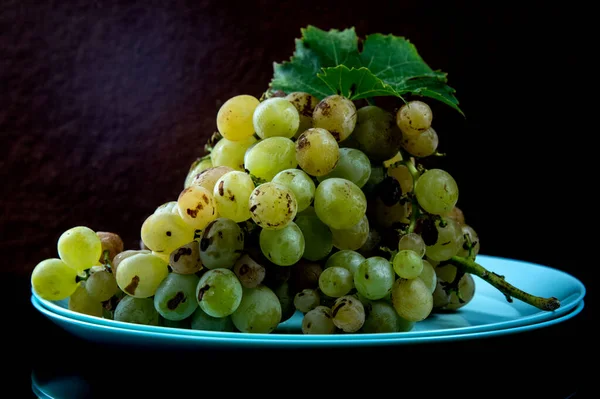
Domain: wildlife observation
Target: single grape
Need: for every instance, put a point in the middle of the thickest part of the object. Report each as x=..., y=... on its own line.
x=382, y=318
x=339, y=203
x=335, y=281
x=307, y=300
x=101, y=285
x=165, y=231
x=81, y=302
x=301, y=185
x=208, y=178
x=457, y=214
x=258, y=312
x=53, y=280
x=231, y=153
x=200, y=320
x=141, y=274
x=137, y=311
x=221, y=244
x=195, y=169
x=186, y=258
x=80, y=248
x=231, y=194
x=305, y=104
x=374, y=278
x=448, y=243
x=276, y=116
x=414, y=118
x=436, y=191
x=219, y=292
x=408, y=264
x=272, y=206
x=412, y=299
x=428, y=276
x=284, y=247
x=112, y=243
x=175, y=296
x=336, y=114
x=197, y=207
x=376, y=133
x=124, y=255
x=413, y=242
x=249, y=272
x=353, y=165
x=352, y=238
x=270, y=156
x=167, y=207
x=234, y=119
x=317, y=152
x=347, y=259
x=422, y=145
x=468, y=231
x=403, y=176
x=348, y=314
x=318, y=321
x=318, y=238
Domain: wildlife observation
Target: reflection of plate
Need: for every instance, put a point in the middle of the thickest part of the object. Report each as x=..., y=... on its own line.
x=116, y=335
x=488, y=311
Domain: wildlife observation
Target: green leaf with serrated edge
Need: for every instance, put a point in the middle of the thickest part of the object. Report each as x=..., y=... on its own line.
x=355, y=83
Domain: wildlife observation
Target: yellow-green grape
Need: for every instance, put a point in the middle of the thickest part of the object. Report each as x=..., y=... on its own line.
x=353, y=165
x=339, y=203
x=272, y=206
x=124, y=255
x=80, y=248
x=301, y=185
x=317, y=152
x=219, y=292
x=167, y=207
x=276, y=116
x=412, y=299
x=231, y=195
x=53, y=280
x=403, y=176
x=234, y=119
x=412, y=241
x=141, y=274
x=352, y=238
x=101, y=285
x=468, y=231
x=306, y=300
x=197, y=207
x=231, y=153
x=305, y=103
x=81, y=302
x=166, y=231
x=428, y=276
x=317, y=236
x=348, y=314
x=270, y=156
x=197, y=167
x=337, y=115
x=376, y=133
x=208, y=177
x=449, y=241
x=259, y=311
x=283, y=247
x=347, y=259
x=382, y=318
x=335, y=281
x=422, y=145
x=318, y=321
x=414, y=118
x=408, y=264
x=436, y=191
x=374, y=278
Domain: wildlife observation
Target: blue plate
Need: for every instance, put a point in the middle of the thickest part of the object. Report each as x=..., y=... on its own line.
x=488, y=311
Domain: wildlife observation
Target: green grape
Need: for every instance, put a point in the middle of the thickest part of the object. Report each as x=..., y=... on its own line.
x=347, y=259
x=412, y=299
x=197, y=207
x=186, y=258
x=272, y=206
x=231, y=194
x=449, y=241
x=335, y=281
x=208, y=178
x=317, y=237
x=250, y=273
x=336, y=114
x=196, y=168
x=181, y=324
x=221, y=244
x=466, y=287
x=219, y=292
x=81, y=302
x=403, y=176
x=352, y=238
x=339, y=203
x=306, y=300
x=141, y=274
x=53, y=280
x=428, y=275
x=414, y=118
x=200, y=320
x=175, y=296
x=317, y=152
x=376, y=133
x=422, y=145
x=284, y=247
x=80, y=248
x=374, y=278
x=270, y=156
x=382, y=318
x=259, y=311
x=388, y=216
x=124, y=255
x=167, y=207
x=353, y=165
x=408, y=264
x=436, y=191
x=473, y=238
x=234, y=119
x=164, y=232
x=137, y=311
x=305, y=103
x=318, y=321
x=412, y=241
x=101, y=285
x=301, y=185
x=276, y=116
x=286, y=300
x=231, y=153
x=348, y=314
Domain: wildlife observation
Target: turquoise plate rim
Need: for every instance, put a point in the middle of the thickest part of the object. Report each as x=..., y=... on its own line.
x=535, y=318
x=144, y=337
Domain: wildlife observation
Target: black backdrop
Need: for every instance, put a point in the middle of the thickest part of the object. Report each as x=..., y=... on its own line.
x=104, y=105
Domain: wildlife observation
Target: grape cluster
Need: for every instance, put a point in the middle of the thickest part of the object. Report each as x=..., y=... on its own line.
x=302, y=205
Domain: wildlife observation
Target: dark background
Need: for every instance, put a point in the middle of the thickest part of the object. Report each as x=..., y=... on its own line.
x=105, y=104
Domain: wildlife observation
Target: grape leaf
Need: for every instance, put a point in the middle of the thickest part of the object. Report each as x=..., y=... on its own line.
x=329, y=62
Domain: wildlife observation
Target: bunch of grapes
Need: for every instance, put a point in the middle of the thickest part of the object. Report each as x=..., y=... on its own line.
x=301, y=205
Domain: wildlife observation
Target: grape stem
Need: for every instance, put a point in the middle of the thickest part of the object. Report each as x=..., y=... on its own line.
x=498, y=281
